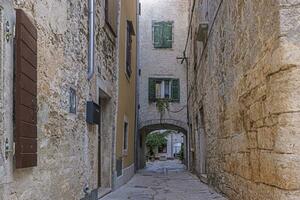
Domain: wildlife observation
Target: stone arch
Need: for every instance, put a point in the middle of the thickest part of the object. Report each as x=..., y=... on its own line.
x=146, y=127
x=158, y=124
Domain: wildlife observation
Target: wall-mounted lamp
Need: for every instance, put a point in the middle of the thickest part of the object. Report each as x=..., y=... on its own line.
x=72, y=101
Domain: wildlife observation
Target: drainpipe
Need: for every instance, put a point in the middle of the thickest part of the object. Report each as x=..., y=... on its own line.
x=91, y=39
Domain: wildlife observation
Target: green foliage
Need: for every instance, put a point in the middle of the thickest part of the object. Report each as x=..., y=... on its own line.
x=162, y=106
x=156, y=140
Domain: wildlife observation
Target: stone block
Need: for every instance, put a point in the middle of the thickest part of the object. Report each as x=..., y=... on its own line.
x=254, y=165
x=239, y=143
x=256, y=111
x=265, y=138
x=288, y=134
x=280, y=170
x=252, y=139
x=243, y=165
x=283, y=91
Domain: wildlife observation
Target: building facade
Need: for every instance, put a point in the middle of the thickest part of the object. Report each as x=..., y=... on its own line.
x=162, y=76
x=126, y=114
x=172, y=149
x=243, y=91
x=48, y=150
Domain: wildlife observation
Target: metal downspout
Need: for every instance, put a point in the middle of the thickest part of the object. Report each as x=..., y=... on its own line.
x=91, y=51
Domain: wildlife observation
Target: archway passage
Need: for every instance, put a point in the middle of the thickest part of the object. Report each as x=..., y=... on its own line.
x=174, y=127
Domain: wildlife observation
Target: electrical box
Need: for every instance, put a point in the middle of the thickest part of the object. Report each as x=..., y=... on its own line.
x=202, y=32
x=92, y=113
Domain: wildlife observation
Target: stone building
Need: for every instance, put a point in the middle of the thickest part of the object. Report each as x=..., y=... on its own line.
x=174, y=142
x=243, y=97
x=65, y=154
x=126, y=114
x=161, y=75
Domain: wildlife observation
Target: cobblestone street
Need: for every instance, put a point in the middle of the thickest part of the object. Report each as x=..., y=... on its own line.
x=164, y=180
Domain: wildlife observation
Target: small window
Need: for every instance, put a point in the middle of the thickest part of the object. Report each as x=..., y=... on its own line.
x=162, y=34
x=125, y=139
x=129, y=34
x=162, y=149
x=164, y=89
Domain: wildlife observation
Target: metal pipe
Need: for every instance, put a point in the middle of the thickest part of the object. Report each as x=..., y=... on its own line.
x=91, y=50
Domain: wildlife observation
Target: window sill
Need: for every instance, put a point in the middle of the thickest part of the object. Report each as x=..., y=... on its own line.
x=128, y=77
x=164, y=99
x=170, y=49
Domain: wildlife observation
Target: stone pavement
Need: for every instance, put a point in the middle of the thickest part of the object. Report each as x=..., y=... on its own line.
x=164, y=180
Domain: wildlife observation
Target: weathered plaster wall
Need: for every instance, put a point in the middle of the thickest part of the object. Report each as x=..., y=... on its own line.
x=247, y=82
x=67, y=146
x=126, y=91
x=162, y=63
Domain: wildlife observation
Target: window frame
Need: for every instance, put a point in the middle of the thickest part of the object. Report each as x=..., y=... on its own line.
x=162, y=83
x=128, y=48
x=154, y=22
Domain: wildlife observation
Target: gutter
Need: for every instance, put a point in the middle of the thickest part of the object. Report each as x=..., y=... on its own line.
x=91, y=51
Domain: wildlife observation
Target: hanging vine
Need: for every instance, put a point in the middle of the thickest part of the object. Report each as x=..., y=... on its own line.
x=162, y=106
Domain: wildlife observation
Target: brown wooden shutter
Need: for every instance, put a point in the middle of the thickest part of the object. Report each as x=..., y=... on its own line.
x=25, y=92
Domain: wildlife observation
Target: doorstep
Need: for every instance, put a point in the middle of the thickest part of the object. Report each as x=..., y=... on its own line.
x=203, y=178
x=103, y=191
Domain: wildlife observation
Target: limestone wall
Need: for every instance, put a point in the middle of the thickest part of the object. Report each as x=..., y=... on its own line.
x=247, y=83
x=67, y=146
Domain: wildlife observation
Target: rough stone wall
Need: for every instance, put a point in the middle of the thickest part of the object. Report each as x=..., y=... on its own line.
x=246, y=80
x=162, y=63
x=67, y=146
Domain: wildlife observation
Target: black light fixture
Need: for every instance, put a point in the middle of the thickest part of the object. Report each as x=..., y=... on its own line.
x=72, y=101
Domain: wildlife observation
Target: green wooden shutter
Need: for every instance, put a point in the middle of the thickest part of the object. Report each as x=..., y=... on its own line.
x=175, y=90
x=151, y=90
x=157, y=34
x=167, y=35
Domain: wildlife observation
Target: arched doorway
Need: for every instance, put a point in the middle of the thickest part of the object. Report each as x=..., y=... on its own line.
x=150, y=126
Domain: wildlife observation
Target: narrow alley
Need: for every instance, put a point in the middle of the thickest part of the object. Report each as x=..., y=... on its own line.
x=164, y=180
x=149, y=99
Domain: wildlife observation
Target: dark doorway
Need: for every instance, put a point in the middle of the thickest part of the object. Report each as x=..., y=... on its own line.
x=99, y=145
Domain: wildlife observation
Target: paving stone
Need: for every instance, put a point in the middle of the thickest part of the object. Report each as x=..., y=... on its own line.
x=176, y=185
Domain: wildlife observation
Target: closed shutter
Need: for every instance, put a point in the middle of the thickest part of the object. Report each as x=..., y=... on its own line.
x=25, y=92
x=111, y=15
x=175, y=90
x=167, y=35
x=151, y=89
x=157, y=35
x=163, y=34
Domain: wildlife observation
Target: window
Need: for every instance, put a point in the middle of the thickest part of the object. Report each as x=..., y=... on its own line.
x=111, y=15
x=164, y=89
x=72, y=106
x=129, y=34
x=162, y=149
x=162, y=34
x=125, y=139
